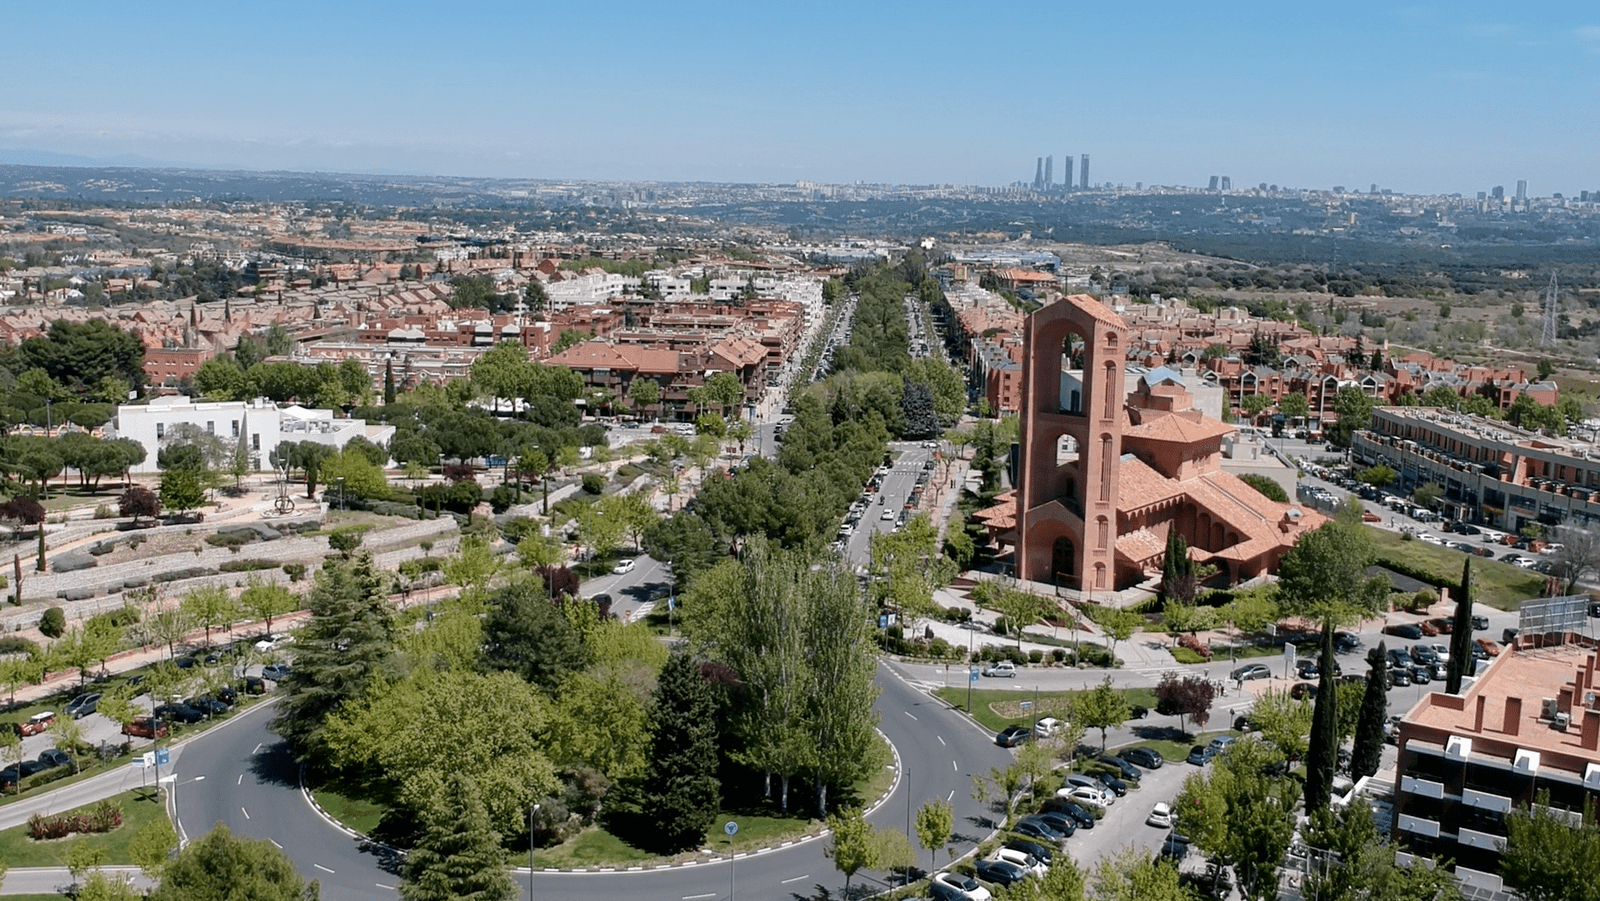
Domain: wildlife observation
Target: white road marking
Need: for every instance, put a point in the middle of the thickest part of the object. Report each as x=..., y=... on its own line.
x=693, y=897
x=322, y=868
x=257, y=750
x=241, y=779
x=381, y=885
x=275, y=845
x=245, y=812
x=940, y=737
x=795, y=879
x=955, y=766
x=950, y=796
x=910, y=714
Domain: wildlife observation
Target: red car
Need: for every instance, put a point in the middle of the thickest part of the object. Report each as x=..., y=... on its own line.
x=37, y=723
x=146, y=727
x=1489, y=647
x=1444, y=624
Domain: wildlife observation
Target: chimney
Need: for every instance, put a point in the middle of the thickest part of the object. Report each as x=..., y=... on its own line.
x=1513, y=718
x=1591, y=729
x=1477, y=718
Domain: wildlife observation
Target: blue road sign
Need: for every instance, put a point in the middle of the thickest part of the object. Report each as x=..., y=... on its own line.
x=973, y=675
x=163, y=756
x=732, y=828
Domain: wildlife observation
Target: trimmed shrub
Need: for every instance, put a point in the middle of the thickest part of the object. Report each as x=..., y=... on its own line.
x=999, y=625
x=1059, y=655
x=248, y=565
x=119, y=618
x=295, y=571
x=53, y=624
x=593, y=483
x=16, y=644
x=235, y=539
x=103, y=817
x=1036, y=656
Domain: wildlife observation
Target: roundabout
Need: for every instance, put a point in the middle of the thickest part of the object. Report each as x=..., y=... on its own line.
x=241, y=775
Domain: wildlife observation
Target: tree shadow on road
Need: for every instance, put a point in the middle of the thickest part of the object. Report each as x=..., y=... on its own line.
x=274, y=765
x=388, y=859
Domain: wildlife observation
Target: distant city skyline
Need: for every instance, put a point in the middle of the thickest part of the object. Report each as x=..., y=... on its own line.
x=1453, y=98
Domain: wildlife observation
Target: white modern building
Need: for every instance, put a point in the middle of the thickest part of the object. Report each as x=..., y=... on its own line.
x=263, y=424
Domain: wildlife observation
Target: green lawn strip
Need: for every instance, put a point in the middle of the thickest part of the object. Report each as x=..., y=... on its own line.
x=37, y=897
x=997, y=708
x=139, y=807
x=1500, y=585
x=1175, y=752
x=759, y=825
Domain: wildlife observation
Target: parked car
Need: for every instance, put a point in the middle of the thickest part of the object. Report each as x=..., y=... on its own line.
x=1011, y=736
x=255, y=685
x=1308, y=670
x=1022, y=859
x=1302, y=690
x=1093, y=797
x=1038, y=831
x=1001, y=669
x=182, y=713
x=1404, y=630
x=226, y=695
x=1345, y=642
x=1122, y=767
x=145, y=727
x=1162, y=816
x=37, y=723
x=1421, y=653
x=54, y=758
x=957, y=887
x=82, y=705
x=1428, y=628
x=1252, y=671
x=1399, y=678
x=1391, y=729
x=1000, y=872
x=1507, y=636
x=1219, y=745
x=272, y=643
x=1421, y=673
x=1117, y=786
x=1060, y=821
x=1200, y=755
x=1244, y=723
x=1032, y=849
x=277, y=672
x=1082, y=816
x=1148, y=758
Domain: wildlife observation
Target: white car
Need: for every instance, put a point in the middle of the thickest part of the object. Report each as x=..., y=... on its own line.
x=1022, y=859
x=957, y=887
x=1090, y=797
x=1090, y=783
x=1161, y=815
x=272, y=643
x=1441, y=651
x=887, y=514
x=1047, y=727
x=625, y=566
x=1430, y=538
x=1000, y=668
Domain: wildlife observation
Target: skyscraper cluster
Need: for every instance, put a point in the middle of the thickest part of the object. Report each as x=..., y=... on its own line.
x=1044, y=178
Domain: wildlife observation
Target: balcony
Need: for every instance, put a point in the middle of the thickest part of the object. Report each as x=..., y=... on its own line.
x=1481, y=799
x=1472, y=838
x=1425, y=788
x=1419, y=826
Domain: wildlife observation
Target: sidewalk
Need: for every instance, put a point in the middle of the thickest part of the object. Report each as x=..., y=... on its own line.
x=58, y=880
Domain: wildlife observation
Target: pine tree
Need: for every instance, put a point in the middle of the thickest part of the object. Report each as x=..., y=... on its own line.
x=458, y=857
x=681, y=791
x=1368, y=751
x=1461, y=638
x=1322, y=757
x=349, y=636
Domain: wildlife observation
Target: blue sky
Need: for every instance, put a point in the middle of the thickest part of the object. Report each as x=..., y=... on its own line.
x=1452, y=97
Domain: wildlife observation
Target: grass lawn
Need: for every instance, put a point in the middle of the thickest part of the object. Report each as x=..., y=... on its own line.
x=1500, y=585
x=139, y=807
x=996, y=708
x=357, y=813
x=1174, y=751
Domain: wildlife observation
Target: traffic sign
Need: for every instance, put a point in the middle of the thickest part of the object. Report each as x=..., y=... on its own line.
x=1025, y=705
x=732, y=828
x=163, y=756
x=973, y=676
x=145, y=760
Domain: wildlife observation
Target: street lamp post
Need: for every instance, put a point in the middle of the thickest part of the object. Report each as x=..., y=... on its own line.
x=340, y=480
x=531, y=811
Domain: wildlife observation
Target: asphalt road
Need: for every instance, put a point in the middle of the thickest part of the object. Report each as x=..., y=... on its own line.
x=239, y=774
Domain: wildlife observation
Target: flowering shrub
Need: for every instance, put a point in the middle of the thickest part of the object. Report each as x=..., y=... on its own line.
x=103, y=817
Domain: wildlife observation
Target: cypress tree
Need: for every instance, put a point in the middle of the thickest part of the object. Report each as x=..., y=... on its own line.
x=388, y=381
x=1322, y=756
x=1368, y=751
x=1461, y=638
x=681, y=792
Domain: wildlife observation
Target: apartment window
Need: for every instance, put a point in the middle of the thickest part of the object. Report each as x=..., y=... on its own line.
x=255, y=441
x=236, y=428
x=161, y=431
x=211, y=427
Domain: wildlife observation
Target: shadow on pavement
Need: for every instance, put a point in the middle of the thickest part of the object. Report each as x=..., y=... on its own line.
x=275, y=766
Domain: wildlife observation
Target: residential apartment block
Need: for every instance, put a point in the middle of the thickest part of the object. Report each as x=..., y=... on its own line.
x=261, y=423
x=1530, y=724
x=1492, y=473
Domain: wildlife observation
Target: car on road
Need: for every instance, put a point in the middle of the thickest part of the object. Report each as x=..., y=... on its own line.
x=277, y=672
x=1149, y=758
x=1161, y=815
x=1403, y=630
x=82, y=705
x=623, y=567
x=1033, y=849
x=1012, y=735
x=1391, y=729
x=1308, y=670
x=145, y=727
x=1001, y=669
x=1000, y=872
x=1479, y=622
x=887, y=514
x=1200, y=755
x=957, y=887
x=1046, y=727
x=1122, y=767
x=1302, y=690
x=54, y=758
x=37, y=723
x=1252, y=671
x=1444, y=624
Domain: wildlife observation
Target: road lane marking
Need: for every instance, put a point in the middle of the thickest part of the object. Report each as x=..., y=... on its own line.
x=955, y=766
x=693, y=897
x=910, y=714
x=381, y=885
x=950, y=796
x=258, y=749
x=795, y=879
x=241, y=779
x=940, y=737
x=275, y=845
x=245, y=812
x=322, y=868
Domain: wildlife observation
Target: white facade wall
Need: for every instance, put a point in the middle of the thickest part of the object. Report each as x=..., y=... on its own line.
x=587, y=290
x=263, y=423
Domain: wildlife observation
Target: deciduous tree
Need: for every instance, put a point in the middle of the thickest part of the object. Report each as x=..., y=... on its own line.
x=220, y=866
x=1189, y=696
x=935, y=822
x=1102, y=707
x=851, y=846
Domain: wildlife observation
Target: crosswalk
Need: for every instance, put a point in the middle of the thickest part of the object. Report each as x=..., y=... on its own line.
x=644, y=610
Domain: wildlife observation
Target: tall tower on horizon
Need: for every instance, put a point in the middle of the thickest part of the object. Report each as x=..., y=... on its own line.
x=1049, y=164
x=1038, y=173
x=1083, y=171
x=1066, y=171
